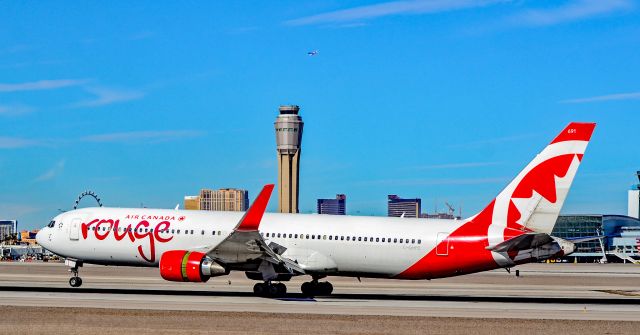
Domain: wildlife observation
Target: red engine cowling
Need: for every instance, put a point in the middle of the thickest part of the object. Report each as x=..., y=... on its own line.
x=189, y=266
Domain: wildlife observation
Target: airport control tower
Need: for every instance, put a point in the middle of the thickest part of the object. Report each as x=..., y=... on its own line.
x=288, y=127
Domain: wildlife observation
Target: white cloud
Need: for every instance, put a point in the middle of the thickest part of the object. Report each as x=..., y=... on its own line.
x=492, y=141
x=41, y=85
x=609, y=97
x=13, y=110
x=143, y=136
x=17, y=142
x=391, y=8
x=571, y=11
x=454, y=165
x=51, y=173
x=107, y=96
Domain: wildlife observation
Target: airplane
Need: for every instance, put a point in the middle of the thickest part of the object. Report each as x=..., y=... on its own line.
x=313, y=53
x=271, y=248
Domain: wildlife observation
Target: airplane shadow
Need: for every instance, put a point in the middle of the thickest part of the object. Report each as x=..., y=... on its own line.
x=339, y=296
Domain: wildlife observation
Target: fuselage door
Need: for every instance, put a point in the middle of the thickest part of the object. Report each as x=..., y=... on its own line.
x=74, y=229
x=442, y=244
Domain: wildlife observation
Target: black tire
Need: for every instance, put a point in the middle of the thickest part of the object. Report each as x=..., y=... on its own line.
x=75, y=281
x=326, y=288
x=307, y=289
x=273, y=290
x=282, y=289
x=259, y=289
x=79, y=282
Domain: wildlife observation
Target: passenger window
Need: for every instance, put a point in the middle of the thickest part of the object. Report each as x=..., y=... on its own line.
x=214, y=232
x=413, y=241
x=278, y=234
x=395, y=240
x=359, y=238
x=330, y=238
x=307, y=237
x=267, y=234
x=219, y=232
x=371, y=239
x=178, y=231
x=172, y=231
x=377, y=239
x=383, y=239
x=419, y=241
x=336, y=238
x=289, y=235
x=324, y=237
x=202, y=233
x=365, y=239
x=400, y=240
x=348, y=238
x=295, y=236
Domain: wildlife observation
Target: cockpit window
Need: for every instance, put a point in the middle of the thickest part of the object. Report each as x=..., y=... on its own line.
x=51, y=224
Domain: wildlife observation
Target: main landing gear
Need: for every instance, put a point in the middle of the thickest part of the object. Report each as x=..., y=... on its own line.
x=73, y=264
x=314, y=288
x=268, y=289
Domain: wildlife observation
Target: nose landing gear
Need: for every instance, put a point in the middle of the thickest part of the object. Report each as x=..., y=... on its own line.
x=74, y=264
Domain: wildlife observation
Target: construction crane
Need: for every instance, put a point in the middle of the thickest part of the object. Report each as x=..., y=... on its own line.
x=451, y=209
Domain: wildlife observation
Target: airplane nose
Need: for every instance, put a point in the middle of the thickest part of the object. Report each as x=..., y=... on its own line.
x=40, y=237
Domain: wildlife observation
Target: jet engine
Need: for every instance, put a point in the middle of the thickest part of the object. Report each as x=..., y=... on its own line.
x=190, y=266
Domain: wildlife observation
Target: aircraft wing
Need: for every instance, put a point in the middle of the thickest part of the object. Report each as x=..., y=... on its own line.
x=245, y=247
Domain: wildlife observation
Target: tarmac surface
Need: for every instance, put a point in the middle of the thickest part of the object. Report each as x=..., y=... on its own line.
x=581, y=297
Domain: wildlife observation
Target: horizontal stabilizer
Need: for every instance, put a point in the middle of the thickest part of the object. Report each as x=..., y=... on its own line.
x=522, y=242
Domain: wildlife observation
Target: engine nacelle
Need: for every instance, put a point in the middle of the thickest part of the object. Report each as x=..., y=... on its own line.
x=190, y=266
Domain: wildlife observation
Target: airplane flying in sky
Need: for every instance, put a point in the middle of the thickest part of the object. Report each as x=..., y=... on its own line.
x=193, y=246
x=313, y=53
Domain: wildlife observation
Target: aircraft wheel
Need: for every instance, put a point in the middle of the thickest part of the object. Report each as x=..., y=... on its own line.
x=307, y=289
x=75, y=281
x=282, y=289
x=260, y=289
x=325, y=288
x=274, y=290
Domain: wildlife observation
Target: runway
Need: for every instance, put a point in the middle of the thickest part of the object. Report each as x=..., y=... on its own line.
x=542, y=291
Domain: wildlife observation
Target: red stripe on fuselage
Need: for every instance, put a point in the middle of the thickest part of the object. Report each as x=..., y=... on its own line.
x=466, y=252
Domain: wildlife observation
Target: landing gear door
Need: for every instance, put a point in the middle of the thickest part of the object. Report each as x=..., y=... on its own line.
x=74, y=229
x=442, y=244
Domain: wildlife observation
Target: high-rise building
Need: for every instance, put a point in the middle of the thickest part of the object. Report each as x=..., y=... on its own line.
x=288, y=128
x=224, y=199
x=634, y=200
x=192, y=202
x=337, y=206
x=8, y=228
x=399, y=207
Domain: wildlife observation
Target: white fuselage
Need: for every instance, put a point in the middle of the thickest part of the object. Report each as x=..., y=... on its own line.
x=346, y=245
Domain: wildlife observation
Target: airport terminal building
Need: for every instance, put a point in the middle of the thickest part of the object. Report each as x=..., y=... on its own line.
x=620, y=243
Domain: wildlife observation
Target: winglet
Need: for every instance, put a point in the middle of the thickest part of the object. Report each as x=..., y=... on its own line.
x=251, y=219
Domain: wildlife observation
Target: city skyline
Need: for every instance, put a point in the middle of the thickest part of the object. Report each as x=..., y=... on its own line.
x=445, y=101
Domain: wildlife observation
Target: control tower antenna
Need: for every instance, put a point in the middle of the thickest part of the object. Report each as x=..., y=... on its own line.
x=288, y=128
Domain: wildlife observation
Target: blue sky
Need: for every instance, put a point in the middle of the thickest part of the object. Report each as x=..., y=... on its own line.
x=144, y=102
